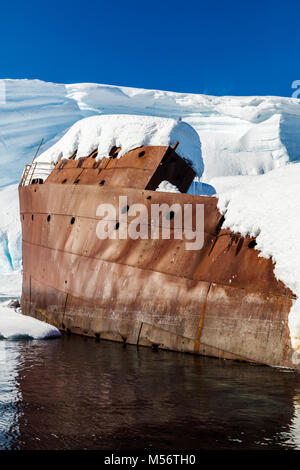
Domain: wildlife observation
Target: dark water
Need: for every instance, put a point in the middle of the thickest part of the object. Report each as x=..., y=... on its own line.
x=74, y=393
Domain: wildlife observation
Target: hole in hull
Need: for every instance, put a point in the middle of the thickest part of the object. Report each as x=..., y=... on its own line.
x=125, y=209
x=252, y=244
x=170, y=215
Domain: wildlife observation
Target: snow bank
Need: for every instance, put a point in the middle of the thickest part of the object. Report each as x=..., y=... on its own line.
x=30, y=110
x=268, y=207
x=167, y=187
x=239, y=135
x=11, y=284
x=14, y=325
x=198, y=188
x=128, y=132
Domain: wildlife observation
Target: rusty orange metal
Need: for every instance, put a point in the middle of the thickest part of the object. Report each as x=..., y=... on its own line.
x=222, y=300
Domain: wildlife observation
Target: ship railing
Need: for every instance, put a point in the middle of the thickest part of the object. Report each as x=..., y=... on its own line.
x=36, y=173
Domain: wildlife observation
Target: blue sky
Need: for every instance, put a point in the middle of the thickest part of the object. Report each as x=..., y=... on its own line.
x=215, y=47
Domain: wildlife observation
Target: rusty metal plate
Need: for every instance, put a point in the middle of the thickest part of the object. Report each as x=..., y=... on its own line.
x=144, y=167
x=250, y=324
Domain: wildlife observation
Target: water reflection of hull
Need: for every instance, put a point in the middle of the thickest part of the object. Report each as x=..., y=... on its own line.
x=79, y=394
x=222, y=300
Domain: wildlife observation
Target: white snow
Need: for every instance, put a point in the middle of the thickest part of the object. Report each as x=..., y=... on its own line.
x=127, y=131
x=29, y=111
x=239, y=135
x=14, y=325
x=10, y=231
x=224, y=183
x=167, y=187
x=267, y=207
x=197, y=188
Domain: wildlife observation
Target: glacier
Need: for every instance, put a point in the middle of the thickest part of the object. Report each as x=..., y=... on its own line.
x=127, y=132
x=239, y=135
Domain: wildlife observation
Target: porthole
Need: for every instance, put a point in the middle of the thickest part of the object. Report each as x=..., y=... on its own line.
x=72, y=220
x=170, y=215
x=94, y=154
x=142, y=153
x=64, y=181
x=76, y=181
x=101, y=182
x=117, y=226
x=252, y=244
x=32, y=217
x=149, y=197
x=114, y=152
x=48, y=218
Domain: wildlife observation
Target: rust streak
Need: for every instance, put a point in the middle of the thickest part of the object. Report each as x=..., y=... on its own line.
x=201, y=321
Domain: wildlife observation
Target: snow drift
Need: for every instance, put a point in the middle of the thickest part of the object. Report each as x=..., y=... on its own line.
x=10, y=235
x=14, y=325
x=102, y=133
x=267, y=207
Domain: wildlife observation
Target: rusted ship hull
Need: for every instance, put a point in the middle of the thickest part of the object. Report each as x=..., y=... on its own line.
x=222, y=301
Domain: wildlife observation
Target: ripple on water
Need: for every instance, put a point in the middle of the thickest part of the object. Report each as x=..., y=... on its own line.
x=73, y=393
